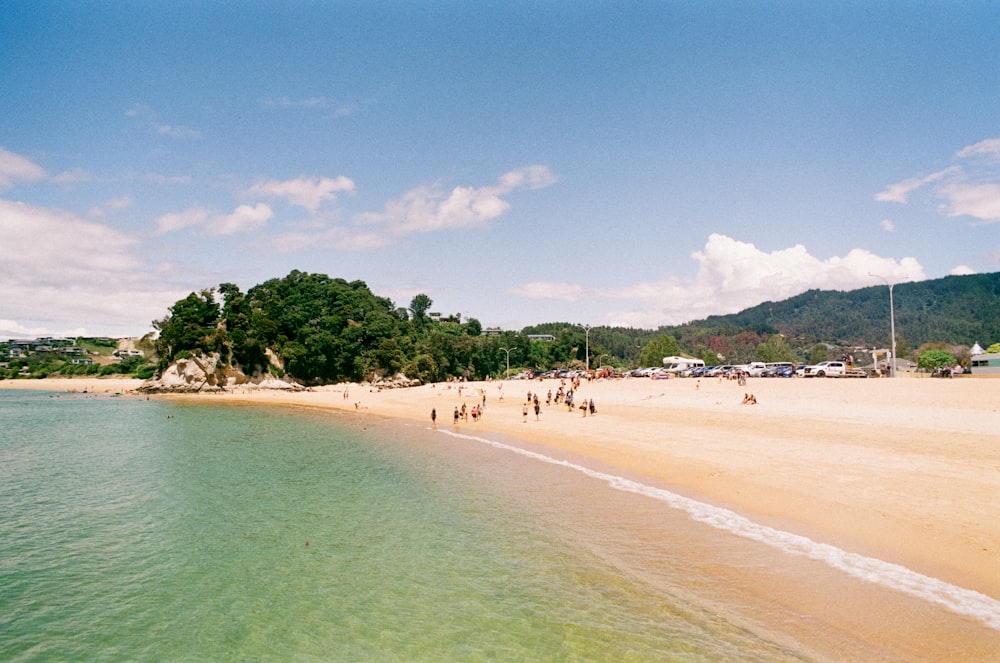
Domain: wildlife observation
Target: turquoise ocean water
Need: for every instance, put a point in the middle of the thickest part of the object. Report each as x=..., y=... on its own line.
x=135, y=529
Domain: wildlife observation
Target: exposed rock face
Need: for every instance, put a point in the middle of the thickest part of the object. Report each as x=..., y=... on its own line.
x=204, y=373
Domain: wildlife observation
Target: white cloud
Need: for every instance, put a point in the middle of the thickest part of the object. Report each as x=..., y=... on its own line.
x=971, y=189
x=420, y=210
x=156, y=178
x=962, y=270
x=196, y=216
x=429, y=208
x=141, y=111
x=988, y=147
x=15, y=169
x=980, y=201
x=305, y=192
x=72, y=176
x=148, y=118
x=245, y=218
x=900, y=192
x=57, y=269
x=888, y=225
x=566, y=292
x=177, y=131
x=287, y=102
x=121, y=202
x=14, y=329
x=732, y=276
x=336, y=109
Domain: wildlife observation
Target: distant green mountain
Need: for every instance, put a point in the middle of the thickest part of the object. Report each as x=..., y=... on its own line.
x=959, y=310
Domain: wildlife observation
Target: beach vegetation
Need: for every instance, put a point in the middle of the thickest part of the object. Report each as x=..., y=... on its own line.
x=664, y=345
x=775, y=348
x=932, y=360
x=819, y=352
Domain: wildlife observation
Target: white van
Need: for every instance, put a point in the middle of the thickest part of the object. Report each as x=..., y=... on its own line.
x=681, y=365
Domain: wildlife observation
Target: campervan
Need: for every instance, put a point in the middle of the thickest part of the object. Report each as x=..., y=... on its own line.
x=681, y=365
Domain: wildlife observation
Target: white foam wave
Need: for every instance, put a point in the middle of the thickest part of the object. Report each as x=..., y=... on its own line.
x=962, y=601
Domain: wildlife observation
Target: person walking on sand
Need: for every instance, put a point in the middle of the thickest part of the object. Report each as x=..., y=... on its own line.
x=434, y=418
x=524, y=412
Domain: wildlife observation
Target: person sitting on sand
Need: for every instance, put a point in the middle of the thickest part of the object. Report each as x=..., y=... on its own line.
x=749, y=399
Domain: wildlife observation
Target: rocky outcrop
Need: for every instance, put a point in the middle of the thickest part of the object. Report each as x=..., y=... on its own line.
x=205, y=374
x=397, y=381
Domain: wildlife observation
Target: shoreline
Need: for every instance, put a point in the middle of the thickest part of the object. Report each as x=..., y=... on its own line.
x=905, y=471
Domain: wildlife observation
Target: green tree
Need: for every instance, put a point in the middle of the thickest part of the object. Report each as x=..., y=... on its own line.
x=993, y=349
x=664, y=345
x=191, y=326
x=419, y=306
x=709, y=357
x=934, y=359
x=473, y=327
x=819, y=353
x=775, y=348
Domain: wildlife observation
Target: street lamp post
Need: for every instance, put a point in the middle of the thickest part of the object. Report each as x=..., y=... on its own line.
x=586, y=329
x=892, y=324
x=507, y=350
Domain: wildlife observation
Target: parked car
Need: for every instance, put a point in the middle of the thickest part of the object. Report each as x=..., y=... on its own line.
x=823, y=368
x=784, y=371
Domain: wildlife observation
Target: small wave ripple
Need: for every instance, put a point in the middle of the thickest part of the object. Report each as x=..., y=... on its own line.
x=893, y=576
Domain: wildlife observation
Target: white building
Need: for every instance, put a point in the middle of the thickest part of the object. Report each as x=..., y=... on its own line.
x=985, y=364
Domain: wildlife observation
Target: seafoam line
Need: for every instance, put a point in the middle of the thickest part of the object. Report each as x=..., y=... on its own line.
x=962, y=601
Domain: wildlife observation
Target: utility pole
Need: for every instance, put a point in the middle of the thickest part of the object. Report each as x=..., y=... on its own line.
x=892, y=324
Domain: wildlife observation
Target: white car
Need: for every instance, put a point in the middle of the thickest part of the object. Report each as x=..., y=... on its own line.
x=824, y=369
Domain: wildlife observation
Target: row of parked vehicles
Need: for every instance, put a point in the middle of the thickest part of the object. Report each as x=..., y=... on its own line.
x=781, y=369
x=778, y=369
x=754, y=369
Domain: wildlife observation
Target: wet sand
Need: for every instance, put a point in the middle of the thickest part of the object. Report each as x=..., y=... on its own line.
x=905, y=471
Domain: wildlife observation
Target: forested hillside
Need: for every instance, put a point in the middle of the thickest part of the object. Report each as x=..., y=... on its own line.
x=960, y=310
x=319, y=329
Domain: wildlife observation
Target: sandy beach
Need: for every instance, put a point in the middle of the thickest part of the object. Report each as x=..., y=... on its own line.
x=906, y=471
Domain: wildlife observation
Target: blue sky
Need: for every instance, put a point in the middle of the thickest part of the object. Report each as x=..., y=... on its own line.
x=630, y=164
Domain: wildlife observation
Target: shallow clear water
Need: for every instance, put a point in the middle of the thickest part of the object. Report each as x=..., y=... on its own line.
x=154, y=530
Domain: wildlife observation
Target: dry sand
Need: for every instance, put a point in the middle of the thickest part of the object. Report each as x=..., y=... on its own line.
x=905, y=470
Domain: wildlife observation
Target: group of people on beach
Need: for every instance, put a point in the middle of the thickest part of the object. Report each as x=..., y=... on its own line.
x=532, y=402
